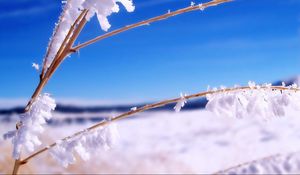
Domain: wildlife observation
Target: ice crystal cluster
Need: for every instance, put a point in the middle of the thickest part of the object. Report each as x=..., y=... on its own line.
x=31, y=124
x=72, y=9
x=263, y=101
x=180, y=104
x=278, y=164
x=105, y=8
x=85, y=144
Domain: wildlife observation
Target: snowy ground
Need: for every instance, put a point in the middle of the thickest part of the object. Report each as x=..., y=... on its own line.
x=169, y=142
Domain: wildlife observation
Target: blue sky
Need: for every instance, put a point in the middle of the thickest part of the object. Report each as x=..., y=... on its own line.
x=230, y=44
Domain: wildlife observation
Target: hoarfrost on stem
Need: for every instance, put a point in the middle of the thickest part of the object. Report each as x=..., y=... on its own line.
x=251, y=84
x=262, y=101
x=105, y=8
x=85, y=144
x=72, y=9
x=180, y=104
x=201, y=7
x=31, y=125
x=67, y=18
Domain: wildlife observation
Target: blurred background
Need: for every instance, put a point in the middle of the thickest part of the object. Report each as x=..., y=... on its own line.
x=225, y=45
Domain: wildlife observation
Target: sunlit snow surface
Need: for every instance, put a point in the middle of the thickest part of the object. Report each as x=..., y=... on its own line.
x=185, y=142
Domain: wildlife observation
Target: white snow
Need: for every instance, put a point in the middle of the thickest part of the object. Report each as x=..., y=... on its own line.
x=185, y=142
x=203, y=141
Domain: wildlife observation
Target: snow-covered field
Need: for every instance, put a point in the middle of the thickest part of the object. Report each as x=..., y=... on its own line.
x=169, y=142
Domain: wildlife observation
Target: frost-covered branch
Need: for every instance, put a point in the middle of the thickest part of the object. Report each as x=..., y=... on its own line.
x=71, y=11
x=262, y=101
x=257, y=91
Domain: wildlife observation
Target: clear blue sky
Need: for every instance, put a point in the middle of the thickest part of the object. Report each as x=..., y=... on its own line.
x=244, y=40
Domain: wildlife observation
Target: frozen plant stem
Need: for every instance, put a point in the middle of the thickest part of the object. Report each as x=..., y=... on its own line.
x=67, y=48
x=152, y=106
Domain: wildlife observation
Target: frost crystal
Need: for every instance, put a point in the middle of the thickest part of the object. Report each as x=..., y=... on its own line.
x=262, y=101
x=31, y=124
x=133, y=109
x=180, y=104
x=72, y=9
x=105, y=8
x=85, y=144
x=201, y=7
x=36, y=66
x=251, y=84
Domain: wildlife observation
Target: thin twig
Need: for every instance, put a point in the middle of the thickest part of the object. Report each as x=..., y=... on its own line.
x=151, y=20
x=152, y=106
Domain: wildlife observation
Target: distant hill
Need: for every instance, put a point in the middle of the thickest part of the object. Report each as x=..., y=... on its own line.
x=77, y=109
x=193, y=104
